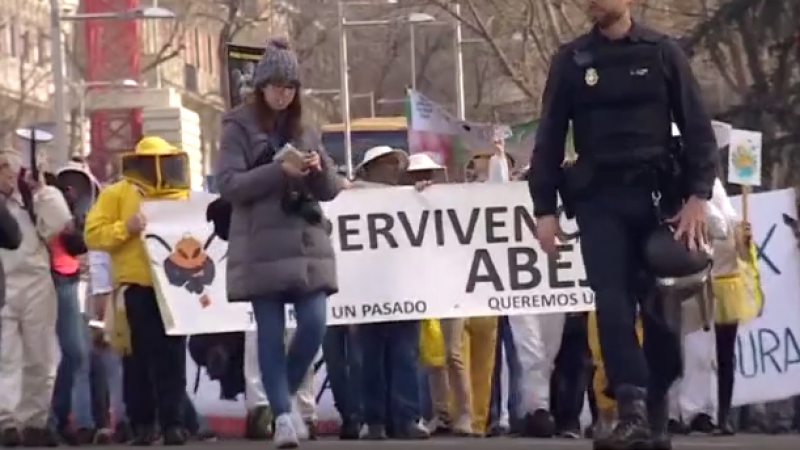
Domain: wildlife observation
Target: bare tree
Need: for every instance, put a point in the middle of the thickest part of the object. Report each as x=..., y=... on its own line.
x=752, y=47
x=26, y=83
x=26, y=102
x=520, y=35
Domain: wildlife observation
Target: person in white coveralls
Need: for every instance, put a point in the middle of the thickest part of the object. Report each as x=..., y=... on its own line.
x=29, y=355
x=703, y=398
x=693, y=398
x=537, y=338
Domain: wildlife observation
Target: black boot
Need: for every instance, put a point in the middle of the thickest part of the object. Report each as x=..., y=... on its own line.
x=702, y=423
x=540, y=424
x=632, y=432
x=658, y=415
x=725, y=427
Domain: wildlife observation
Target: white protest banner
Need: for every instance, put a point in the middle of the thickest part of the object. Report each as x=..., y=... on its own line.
x=450, y=251
x=189, y=267
x=744, y=158
x=768, y=347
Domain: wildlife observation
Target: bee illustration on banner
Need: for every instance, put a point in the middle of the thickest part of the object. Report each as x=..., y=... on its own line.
x=188, y=264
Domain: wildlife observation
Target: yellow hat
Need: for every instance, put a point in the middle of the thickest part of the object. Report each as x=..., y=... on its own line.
x=154, y=145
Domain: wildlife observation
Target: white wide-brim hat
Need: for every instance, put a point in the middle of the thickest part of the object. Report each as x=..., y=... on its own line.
x=422, y=161
x=381, y=151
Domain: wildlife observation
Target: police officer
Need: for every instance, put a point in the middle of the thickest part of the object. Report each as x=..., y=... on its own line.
x=621, y=85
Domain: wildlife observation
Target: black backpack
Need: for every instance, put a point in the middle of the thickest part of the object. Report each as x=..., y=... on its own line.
x=220, y=210
x=222, y=356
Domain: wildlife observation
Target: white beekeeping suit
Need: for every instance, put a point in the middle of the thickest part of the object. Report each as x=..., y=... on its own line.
x=29, y=355
x=537, y=338
x=696, y=392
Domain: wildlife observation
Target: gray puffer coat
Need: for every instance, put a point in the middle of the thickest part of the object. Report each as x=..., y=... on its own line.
x=272, y=253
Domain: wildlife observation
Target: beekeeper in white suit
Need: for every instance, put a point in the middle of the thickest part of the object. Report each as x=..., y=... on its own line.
x=29, y=355
x=694, y=399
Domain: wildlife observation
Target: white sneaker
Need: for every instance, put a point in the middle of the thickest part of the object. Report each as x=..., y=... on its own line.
x=433, y=425
x=463, y=426
x=285, y=435
x=300, y=426
x=298, y=422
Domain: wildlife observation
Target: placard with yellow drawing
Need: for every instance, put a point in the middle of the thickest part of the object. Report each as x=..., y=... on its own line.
x=744, y=158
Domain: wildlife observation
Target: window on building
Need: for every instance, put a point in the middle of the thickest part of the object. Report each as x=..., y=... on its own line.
x=27, y=47
x=4, y=39
x=196, y=47
x=189, y=51
x=43, y=45
x=212, y=54
x=13, y=36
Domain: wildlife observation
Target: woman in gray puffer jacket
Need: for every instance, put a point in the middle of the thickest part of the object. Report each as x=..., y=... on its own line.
x=280, y=250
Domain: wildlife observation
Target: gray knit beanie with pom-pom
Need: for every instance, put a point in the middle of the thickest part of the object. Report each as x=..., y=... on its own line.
x=278, y=64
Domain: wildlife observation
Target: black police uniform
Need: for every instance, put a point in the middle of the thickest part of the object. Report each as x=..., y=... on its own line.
x=621, y=97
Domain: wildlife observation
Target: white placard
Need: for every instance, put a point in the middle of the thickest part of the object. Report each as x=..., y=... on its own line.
x=744, y=158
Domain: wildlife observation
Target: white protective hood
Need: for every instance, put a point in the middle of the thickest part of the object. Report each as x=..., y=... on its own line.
x=82, y=169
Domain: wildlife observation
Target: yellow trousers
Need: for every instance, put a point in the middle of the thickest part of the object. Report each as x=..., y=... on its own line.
x=479, y=340
x=599, y=381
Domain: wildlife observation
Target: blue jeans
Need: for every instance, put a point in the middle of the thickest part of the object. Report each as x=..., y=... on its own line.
x=282, y=371
x=425, y=399
x=396, y=345
x=72, y=392
x=342, y=355
x=111, y=365
x=506, y=347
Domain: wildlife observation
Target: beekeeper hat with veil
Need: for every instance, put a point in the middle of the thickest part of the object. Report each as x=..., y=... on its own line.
x=684, y=274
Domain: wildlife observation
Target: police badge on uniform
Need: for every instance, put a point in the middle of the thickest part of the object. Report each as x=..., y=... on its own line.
x=591, y=76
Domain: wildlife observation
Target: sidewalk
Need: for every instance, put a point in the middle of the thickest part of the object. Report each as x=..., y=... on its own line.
x=783, y=442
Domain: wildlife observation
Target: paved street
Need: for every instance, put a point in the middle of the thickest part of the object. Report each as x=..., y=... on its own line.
x=755, y=442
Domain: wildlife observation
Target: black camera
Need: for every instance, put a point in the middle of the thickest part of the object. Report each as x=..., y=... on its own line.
x=305, y=206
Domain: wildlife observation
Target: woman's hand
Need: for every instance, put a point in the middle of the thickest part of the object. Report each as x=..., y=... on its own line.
x=293, y=168
x=746, y=231
x=313, y=162
x=744, y=237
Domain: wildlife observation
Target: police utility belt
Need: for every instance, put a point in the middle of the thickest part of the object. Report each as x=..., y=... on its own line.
x=656, y=169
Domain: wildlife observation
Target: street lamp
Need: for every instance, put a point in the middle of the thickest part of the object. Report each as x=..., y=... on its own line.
x=58, y=65
x=411, y=19
x=459, y=48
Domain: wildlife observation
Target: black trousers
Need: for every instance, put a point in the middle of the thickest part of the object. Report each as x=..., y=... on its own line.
x=615, y=223
x=725, y=335
x=571, y=375
x=154, y=374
